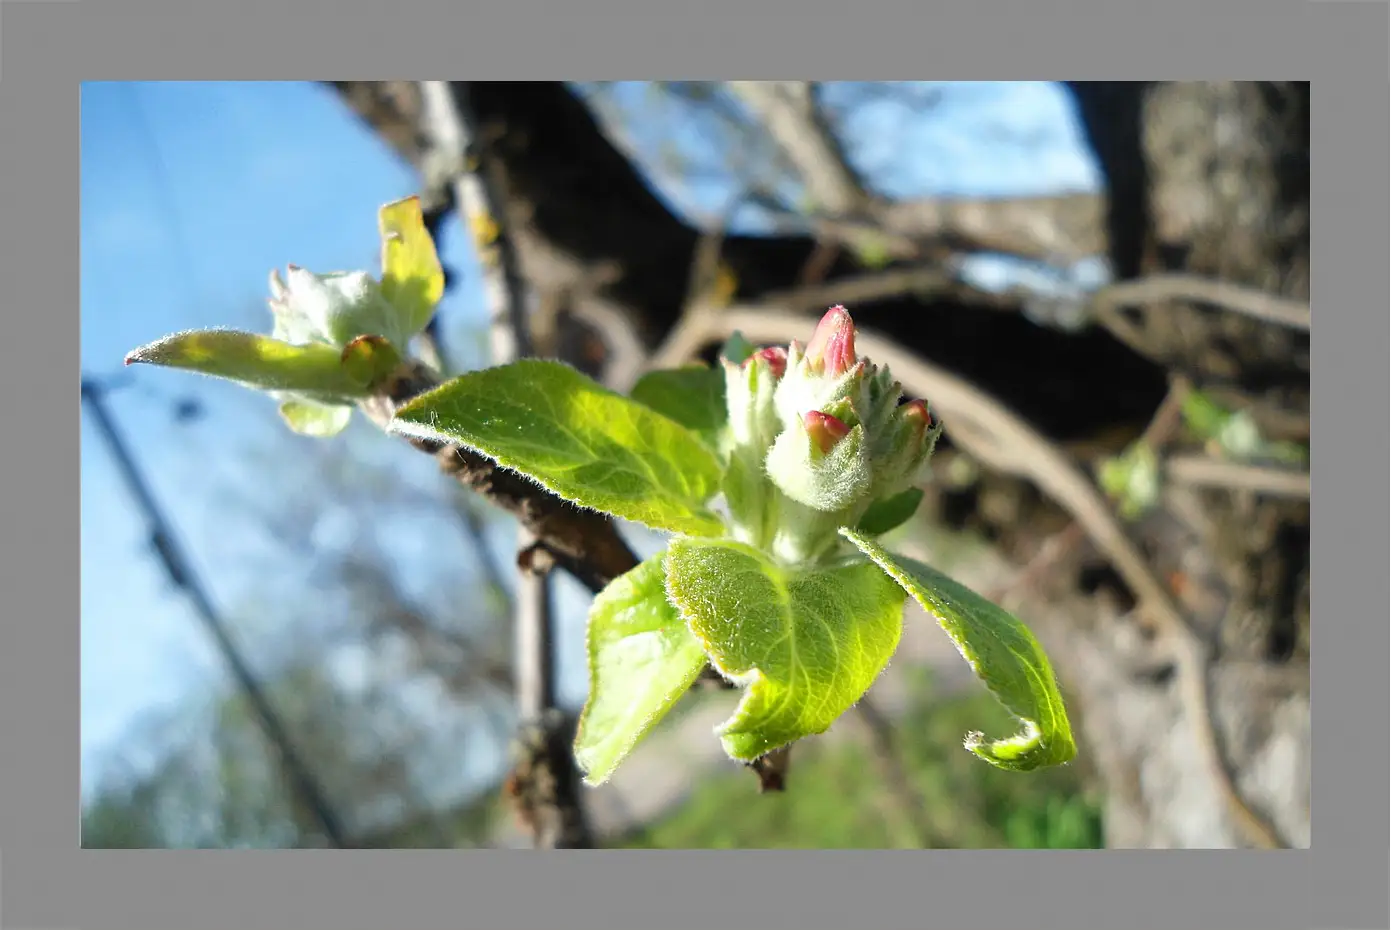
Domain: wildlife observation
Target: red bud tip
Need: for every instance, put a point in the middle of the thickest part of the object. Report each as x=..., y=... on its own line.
x=832, y=346
x=916, y=410
x=824, y=429
x=775, y=358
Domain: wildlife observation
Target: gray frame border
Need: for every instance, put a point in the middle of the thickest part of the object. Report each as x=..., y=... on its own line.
x=50, y=883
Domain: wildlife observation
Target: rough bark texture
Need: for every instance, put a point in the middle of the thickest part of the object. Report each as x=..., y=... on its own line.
x=1210, y=178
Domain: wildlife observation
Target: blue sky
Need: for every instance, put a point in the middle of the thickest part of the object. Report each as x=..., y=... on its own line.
x=192, y=192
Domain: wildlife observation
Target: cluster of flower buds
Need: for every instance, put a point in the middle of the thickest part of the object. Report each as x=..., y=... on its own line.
x=333, y=308
x=817, y=435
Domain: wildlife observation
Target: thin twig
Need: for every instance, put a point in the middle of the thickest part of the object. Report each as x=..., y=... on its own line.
x=484, y=217
x=878, y=285
x=772, y=769
x=702, y=296
x=793, y=119
x=1259, y=305
x=819, y=263
x=1002, y=440
x=703, y=281
x=1162, y=427
x=1206, y=471
x=552, y=806
x=584, y=543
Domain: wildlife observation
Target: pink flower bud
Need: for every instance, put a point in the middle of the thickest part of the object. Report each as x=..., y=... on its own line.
x=916, y=412
x=824, y=429
x=775, y=357
x=832, y=346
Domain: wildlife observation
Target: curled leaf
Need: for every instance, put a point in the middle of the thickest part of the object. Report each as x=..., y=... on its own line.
x=1001, y=651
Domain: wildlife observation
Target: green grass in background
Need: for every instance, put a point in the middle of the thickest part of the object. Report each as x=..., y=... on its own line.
x=836, y=797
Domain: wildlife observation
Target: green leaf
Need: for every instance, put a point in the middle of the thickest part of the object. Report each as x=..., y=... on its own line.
x=412, y=277
x=806, y=645
x=320, y=421
x=314, y=370
x=890, y=513
x=737, y=348
x=1003, y=654
x=578, y=440
x=642, y=658
x=693, y=397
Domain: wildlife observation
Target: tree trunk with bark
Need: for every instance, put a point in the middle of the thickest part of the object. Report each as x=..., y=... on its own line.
x=1212, y=178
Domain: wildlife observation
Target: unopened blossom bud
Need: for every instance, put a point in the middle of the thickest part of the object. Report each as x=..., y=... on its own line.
x=916, y=412
x=806, y=388
x=821, y=463
x=904, y=445
x=817, y=436
x=337, y=307
x=775, y=357
x=832, y=346
x=825, y=430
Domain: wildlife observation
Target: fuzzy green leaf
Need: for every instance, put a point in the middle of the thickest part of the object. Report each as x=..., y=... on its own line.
x=1003, y=654
x=314, y=370
x=693, y=397
x=805, y=645
x=642, y=658
x=580, y=441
